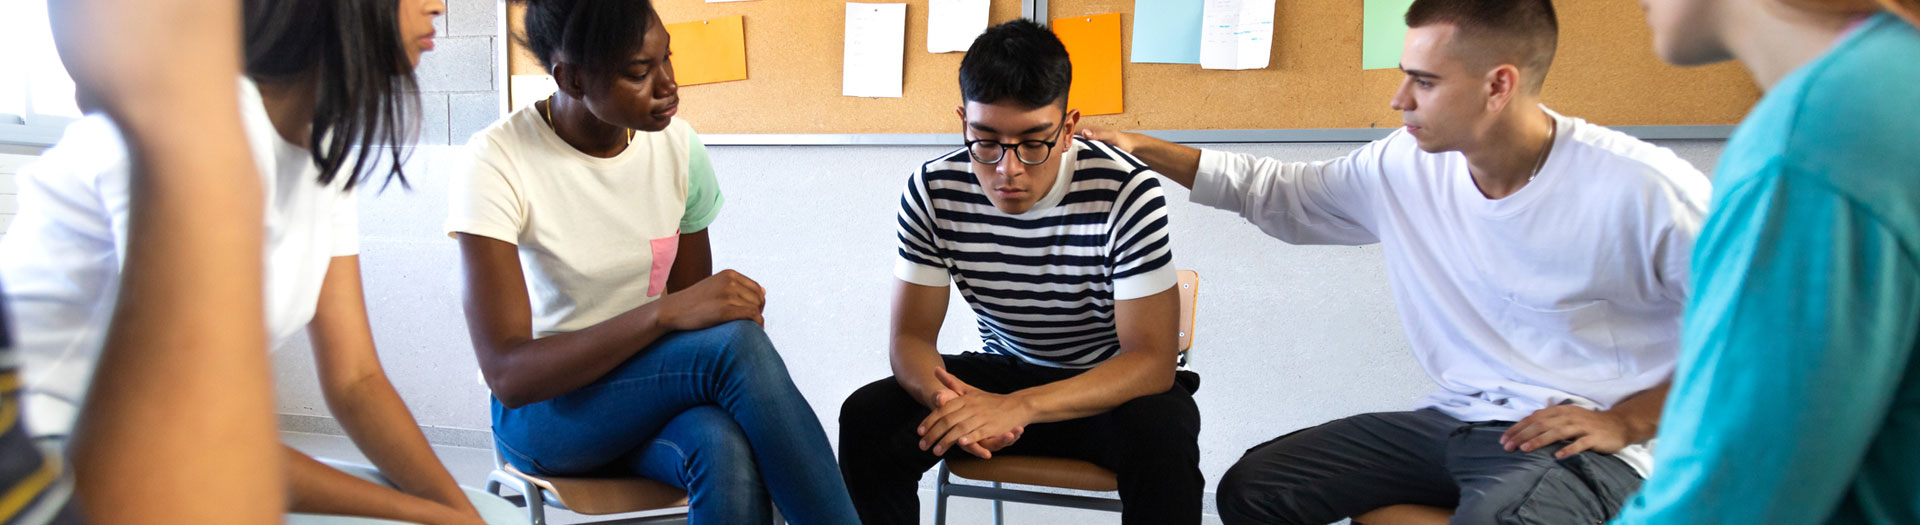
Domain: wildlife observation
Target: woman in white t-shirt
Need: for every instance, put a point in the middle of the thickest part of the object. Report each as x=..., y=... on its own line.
x=328, y=93
x=610, y=345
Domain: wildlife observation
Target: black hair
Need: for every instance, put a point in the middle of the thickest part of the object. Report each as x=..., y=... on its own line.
x=1017, y=61
x=352, y=51
x=597, y=35
x=1521, y=32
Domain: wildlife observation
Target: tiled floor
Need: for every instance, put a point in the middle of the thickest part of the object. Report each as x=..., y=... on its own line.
x=471, y=465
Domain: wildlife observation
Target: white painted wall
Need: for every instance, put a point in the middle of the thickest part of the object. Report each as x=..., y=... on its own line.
x=1288, y=336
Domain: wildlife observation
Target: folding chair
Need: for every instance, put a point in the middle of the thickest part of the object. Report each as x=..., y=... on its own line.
x=1044, y=471
x=593, y=496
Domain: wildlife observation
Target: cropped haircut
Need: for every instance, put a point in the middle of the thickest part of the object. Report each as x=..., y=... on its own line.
x=1492, y=32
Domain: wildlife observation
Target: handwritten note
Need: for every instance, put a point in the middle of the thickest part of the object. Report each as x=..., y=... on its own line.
x=875, y=53
x=1236, y=34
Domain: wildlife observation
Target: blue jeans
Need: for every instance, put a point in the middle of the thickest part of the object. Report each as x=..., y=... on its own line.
x=710, y=411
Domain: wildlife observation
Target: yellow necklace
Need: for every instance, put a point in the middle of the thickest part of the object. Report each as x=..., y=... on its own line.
x=549, y=114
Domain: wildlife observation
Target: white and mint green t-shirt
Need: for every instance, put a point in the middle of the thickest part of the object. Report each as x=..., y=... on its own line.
x=597, y=236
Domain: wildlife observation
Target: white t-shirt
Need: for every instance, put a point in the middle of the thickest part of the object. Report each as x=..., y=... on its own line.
x=61, y=257
x=596, y=236
x=1569, y=291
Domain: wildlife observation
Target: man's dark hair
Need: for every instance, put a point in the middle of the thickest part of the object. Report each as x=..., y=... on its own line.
x=1492, y=32
x=1017, y=62
x=354, y=52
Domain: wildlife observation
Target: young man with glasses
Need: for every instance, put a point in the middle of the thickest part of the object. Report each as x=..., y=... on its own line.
x=1061, y=247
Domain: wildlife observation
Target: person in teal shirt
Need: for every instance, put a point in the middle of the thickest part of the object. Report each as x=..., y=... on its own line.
x=1797, y=398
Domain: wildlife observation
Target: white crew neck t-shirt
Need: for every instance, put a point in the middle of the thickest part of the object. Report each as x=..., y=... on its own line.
x=1569, y=291
x=596, y=236
x=61, y=257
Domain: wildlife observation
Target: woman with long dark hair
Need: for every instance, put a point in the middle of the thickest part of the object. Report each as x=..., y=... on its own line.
x=1797, y=395
x=630, y=355
x=327, y=104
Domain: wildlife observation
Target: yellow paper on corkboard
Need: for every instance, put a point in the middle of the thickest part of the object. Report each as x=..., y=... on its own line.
x=708, y=51
x=1093, y=44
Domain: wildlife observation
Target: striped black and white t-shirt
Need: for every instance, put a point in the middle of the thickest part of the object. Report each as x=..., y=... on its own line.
x=1044, y=282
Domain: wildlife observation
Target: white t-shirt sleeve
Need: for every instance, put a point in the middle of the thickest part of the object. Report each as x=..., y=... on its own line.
x=483, y=199
x=1673, y=245
x=1325, y=202
x=1142, y=252
x=919, y=261
x=115, y=187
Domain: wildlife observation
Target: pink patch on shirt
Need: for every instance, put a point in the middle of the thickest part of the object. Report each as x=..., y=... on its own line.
x=664, y=250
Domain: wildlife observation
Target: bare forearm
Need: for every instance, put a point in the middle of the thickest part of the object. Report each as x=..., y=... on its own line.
x=1123, y=378
x=913, y=363
x=1641, y=412
x=1174, y=161
x=313, y=487
x=183, y=373
x=379, y=423
x=535, y=370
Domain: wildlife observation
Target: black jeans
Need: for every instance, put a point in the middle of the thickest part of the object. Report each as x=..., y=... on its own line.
x=1151, y=443
x=1358, y=464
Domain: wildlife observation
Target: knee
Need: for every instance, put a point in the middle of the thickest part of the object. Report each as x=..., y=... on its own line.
x=1236, y=498
x=1247, y=494
x=746, y=340
x=1162, y=423
x=742, y=350
x=868, y=406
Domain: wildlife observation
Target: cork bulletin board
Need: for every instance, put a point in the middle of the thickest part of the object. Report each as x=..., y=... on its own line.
x=1605, y=71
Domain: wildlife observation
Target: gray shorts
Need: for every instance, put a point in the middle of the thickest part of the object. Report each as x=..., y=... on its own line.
x=1361, y=463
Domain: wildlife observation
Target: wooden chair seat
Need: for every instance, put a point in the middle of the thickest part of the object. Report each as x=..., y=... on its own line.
x=1404, y=515
x=1039, y=471
x=607, y=495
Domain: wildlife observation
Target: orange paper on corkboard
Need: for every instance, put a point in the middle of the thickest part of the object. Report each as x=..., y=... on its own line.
x=708, y=51
x=1093, y=43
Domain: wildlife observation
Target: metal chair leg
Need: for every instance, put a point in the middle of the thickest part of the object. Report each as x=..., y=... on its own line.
x=999, y=511
x=940, y=496
x=536, y=506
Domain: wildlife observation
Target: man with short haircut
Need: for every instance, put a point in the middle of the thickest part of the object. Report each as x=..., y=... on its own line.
x=1539, y=264
x=1061, y=247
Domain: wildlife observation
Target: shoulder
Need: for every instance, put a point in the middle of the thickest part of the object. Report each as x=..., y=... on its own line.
x=89, y=147
x=519, y=132
x=1614, y=161
x=954, y=166
x=1850, y=116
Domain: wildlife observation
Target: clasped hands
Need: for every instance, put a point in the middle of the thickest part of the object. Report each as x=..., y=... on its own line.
x=975, y=420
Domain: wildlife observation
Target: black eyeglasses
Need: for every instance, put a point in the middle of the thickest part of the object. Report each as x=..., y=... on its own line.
x=1030, y=152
